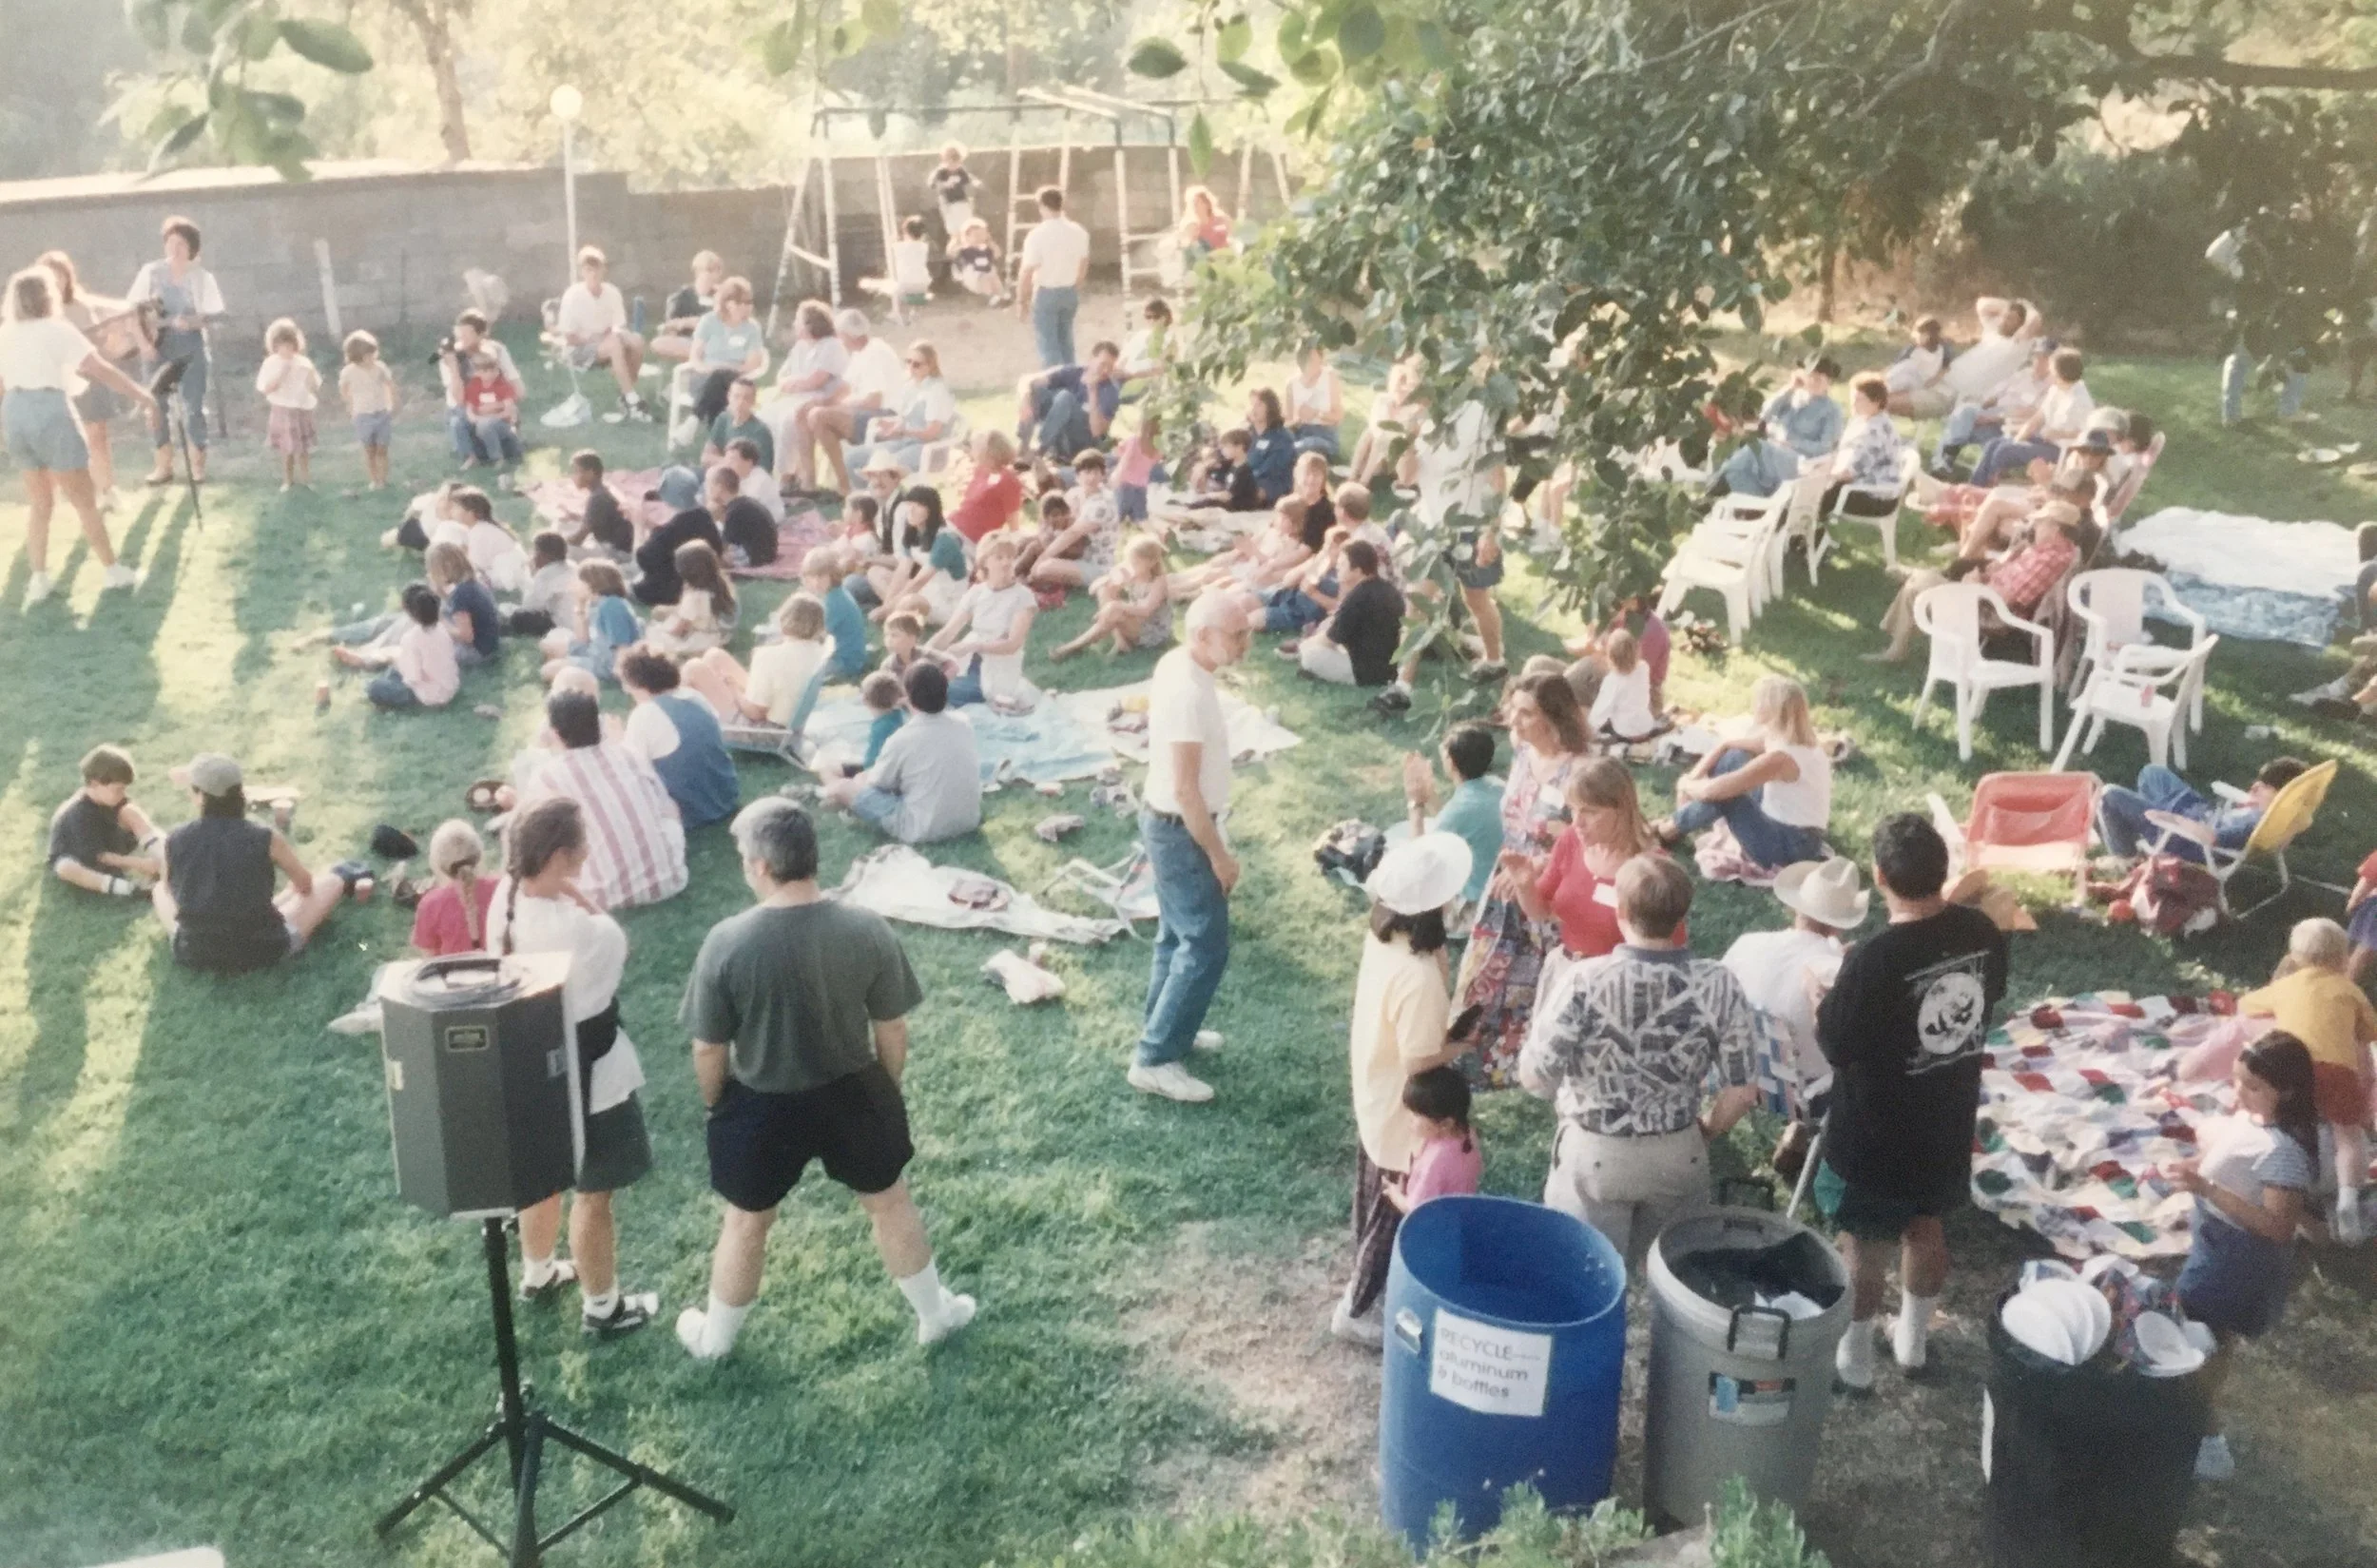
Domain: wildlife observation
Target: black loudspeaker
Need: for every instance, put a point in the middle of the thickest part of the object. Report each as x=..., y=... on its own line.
x=479, y=1063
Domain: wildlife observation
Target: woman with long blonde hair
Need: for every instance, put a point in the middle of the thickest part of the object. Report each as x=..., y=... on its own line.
x=1772, y=788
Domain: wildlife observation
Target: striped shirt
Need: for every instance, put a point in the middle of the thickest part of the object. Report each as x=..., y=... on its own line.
x=635, y=842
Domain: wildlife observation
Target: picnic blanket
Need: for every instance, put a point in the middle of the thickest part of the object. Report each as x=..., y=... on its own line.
x=1050, y=745
x=2249, y=576
x=802, y=529
x=1119, y=712
x=559, y=503
x=900, y=884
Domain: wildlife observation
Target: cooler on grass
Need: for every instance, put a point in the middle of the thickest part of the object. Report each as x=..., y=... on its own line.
x=2086, y=1466
x=1746, y=1309
x=1505, y=1338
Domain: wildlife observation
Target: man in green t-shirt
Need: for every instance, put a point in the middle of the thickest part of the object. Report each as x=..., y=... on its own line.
x=798, y=1008
x=737, y=421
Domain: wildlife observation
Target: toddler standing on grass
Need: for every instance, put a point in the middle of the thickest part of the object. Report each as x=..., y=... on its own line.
x=1449, y=1162
x=369, y=390
x=452, y=915
x=1135, y=463
x=291, y=387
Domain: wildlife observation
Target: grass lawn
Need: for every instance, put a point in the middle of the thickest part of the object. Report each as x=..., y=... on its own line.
x=217, y=1324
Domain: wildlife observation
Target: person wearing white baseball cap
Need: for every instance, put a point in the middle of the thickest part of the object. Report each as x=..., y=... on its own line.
x=216, y=896
x=1785, y=974
x=1402, y=1003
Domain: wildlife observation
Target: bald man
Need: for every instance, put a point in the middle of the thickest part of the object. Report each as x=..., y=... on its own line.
x=1180, y=821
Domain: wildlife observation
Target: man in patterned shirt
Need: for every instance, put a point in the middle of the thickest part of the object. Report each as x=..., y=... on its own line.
x=2022, y=579
x=1623, y=1052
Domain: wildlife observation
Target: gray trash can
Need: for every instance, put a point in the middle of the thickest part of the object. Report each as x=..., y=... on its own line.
x=1737, y=1389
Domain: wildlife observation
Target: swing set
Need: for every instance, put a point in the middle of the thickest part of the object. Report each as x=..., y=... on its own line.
x=812, y=195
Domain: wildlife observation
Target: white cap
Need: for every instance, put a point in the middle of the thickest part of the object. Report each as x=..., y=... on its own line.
x=1422, y=873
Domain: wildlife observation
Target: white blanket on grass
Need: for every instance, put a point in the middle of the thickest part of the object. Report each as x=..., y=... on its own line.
x=2249, y=576
x=900, y=884
x=1253, y=734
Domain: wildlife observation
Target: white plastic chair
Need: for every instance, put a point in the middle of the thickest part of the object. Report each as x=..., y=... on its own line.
x=1803, y=520
x=1736, y=564
x=1732, y=525
x=2112, y=604
x=1950, y=616
x=685, y=384
x=1910, y=464
x=2146, y=686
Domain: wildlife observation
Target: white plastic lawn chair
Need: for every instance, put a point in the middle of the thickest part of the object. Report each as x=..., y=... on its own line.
x=1803, y=520
x=575, y=409
x=2146, y=686
x=1738, y=565
x=2112, y=602
x=1950, y=616
x=1910, y=464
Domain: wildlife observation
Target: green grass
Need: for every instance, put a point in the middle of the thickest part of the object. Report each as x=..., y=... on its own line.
x=217, y=1322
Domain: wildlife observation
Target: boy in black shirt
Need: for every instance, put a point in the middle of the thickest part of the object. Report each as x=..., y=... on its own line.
x=1904, y=1028
x=1356, y=647
x=99, y=840
x=601, y=520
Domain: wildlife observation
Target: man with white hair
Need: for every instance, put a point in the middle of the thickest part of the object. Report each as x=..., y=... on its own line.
x=1180, y=823
x=799, y=1012
x=869, y=383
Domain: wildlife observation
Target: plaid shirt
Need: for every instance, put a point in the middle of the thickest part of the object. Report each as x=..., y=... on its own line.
x=2025, y=577
x=1635, y=1035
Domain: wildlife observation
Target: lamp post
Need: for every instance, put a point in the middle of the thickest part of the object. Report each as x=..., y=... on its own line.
x=568, y=104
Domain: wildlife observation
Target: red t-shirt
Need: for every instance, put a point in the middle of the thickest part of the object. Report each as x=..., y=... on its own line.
x=993, y=496
x=1585, y=905
x=437, y=928
x=485, y=396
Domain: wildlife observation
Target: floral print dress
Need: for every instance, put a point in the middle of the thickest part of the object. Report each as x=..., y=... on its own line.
x=1506, y=949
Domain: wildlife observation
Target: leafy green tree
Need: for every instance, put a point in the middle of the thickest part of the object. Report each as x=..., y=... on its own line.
x=211, y=54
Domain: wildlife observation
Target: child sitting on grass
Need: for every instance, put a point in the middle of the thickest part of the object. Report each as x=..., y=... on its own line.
x=291, y=387
x=604, y=623
x=494, y=550
x=781, y=671
x=99, y=840
x=471, y=618
x=1134, y=604
x=2314, y=1000
x=821, y=572
x=451, y=917
x=902, y=631
x=547, y=597
x=424, y=673
x=887, y=699
x=703, y=615
x=600, y=521
x=369, y=390
x=1621, y=708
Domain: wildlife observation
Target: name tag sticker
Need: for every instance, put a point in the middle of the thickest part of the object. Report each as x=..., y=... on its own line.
x=1606, y=893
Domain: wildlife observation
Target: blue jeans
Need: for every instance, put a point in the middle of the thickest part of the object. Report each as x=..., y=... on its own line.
x=2003, y=456
x=1759, y=468
x=1191, y=940
x=1052, y=311
x=965, y=689
x=497, y=440
x=1062, y=424
x=1320, y=438
x=389, y=690
x=2237, y=370
x=192, y=347
x=1965, y=425
x=2121, y=813
x=380, y=631
x=1761, y=838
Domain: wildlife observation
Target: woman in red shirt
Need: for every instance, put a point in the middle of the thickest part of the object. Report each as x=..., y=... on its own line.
x=995, y=494
x=1577, y=883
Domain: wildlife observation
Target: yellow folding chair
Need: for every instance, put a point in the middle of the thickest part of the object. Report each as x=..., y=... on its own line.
x=2291, y=814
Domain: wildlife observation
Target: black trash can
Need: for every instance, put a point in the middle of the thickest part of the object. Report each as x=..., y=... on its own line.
x=2087, y=1466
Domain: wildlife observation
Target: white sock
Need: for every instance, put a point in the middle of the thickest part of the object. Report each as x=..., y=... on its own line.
x=926, y=1293
x=535, y=1273
x=1914, y=1328
x=1855, y=1358
x=599, y=1307
x=720, y=1323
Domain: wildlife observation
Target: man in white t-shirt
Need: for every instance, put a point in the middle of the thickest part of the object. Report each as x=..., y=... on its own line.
x=1054, y=261
x=1785, y=974
x=1180, y=823
x=594, y=328
x=870, y=385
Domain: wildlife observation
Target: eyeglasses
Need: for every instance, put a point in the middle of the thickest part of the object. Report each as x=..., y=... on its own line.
x=917, y=364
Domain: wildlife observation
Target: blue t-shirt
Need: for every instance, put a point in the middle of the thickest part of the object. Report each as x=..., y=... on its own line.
x=883, y=729
x=949, y=554
x=1273, y=459
x=845, y=623
x=470, y=597
x=1475, y=814
x=609, y=627
x=721, y=346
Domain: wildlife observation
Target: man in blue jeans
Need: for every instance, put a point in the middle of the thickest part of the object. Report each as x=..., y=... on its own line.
x=2121, y=813
x=1063, y=410
x=1052, y=265
x=1180, y=821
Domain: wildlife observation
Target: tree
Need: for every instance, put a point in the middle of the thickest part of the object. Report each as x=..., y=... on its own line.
x=209, y=51
x=434, y=21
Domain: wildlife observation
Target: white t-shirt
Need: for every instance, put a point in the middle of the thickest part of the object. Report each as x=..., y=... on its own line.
x=1775, y=969
x=1919, y=369
x=809, y=356
x=875, y=373
x=1183, y=708
x=587, y=316
x=1060, y=248
x=2063, y=412
x=41, y=353
x=912, y=266
x=649, y=730
x=154, y=276
x=921, y=404
x=295, y=383
x=781, y=672
x=495, y=555
x=598, y=959
x=1623, y=702
x=994, y=611
x=1450, y=479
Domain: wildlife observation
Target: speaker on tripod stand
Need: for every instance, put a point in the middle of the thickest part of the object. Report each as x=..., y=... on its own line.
x=480, y=1063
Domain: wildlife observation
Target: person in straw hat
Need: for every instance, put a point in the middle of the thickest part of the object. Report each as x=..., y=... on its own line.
x=1402, y=1003
x=1785, y=974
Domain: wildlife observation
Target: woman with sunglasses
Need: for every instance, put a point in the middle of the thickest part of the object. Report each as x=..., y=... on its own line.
x=923, y=411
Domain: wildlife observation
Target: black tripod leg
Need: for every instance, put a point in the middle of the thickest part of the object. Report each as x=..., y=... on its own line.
x=643, y=1475
x=525, y=1553
x=446, y=1472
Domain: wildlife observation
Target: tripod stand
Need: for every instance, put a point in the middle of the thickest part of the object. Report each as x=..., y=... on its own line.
x=524, y=1430
x=166, y=387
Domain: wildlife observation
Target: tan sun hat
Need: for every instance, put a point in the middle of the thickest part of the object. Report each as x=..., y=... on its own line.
x=1827, y=892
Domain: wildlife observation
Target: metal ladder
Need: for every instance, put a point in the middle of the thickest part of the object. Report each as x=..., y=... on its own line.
x=830, y=262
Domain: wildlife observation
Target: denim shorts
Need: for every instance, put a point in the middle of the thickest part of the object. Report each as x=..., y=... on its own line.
x=373, y=430
x=41, y=430
x=875, y=807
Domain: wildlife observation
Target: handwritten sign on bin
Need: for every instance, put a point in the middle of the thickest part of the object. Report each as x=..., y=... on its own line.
x=1494, y=1370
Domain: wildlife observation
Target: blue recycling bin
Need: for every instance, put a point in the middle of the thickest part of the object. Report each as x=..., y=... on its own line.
x=1505, y=1340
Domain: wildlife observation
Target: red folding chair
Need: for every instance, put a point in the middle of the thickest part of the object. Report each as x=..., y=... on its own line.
x=2037, y=824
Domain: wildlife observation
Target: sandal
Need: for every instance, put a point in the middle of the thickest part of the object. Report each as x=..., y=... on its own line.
x=481, y=796
x=565, y=1273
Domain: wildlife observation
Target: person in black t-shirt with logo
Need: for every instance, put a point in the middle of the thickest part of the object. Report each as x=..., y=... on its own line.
x=99, y=840
x=1904, y=1028
x=1356, y=647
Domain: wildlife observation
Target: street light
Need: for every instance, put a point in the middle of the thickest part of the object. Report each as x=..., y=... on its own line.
x=568, y=103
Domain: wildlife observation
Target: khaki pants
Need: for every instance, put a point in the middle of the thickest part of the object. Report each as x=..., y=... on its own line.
x=1899, y=620
x=1628, y=1189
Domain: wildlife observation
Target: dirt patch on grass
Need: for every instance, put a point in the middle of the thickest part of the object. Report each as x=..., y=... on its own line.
x=1247, y=1323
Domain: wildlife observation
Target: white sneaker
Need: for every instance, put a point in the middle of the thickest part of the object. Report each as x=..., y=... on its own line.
x=1208, y=1039
x=957, y=1312
x=2213, y=1460
x=119, y=575
x=693, y=1333
x=1368, y=1329
x=1910, y=1343
x=37, y=587
x=1172, y=1081
x=1853, y=1359
x=2351, y=1228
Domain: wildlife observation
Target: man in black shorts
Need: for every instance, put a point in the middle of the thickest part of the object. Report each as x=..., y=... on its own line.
x=1904, y=1028
x=798, y=1008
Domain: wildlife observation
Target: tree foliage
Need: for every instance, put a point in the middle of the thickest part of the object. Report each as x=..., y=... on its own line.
x=208, y=92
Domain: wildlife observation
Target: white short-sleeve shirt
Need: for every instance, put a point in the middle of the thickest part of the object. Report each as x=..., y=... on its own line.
x=1185, y=706
x=41, y=354
x=875, y=375
x=587, y=315
x=1060, y=248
